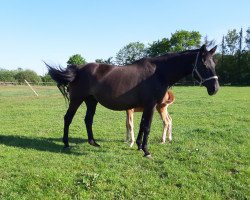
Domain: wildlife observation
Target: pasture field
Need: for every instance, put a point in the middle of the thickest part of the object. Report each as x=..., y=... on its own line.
x=208, y=159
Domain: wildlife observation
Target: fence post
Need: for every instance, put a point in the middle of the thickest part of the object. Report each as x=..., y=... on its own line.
x=30, y=87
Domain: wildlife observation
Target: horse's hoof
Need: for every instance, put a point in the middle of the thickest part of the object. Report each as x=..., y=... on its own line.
x=162, y=142
x=93, y=143
x=131, y=144
x=148, y=157
x=66, y=147
x=96, y=145
x=139, y=147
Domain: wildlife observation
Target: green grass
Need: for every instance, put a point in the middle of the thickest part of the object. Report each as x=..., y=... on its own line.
x=208, y=159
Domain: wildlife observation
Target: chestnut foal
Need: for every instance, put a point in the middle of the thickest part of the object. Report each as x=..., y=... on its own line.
x=161, y=107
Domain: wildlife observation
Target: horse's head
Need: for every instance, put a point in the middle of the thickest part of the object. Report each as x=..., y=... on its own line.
x=204, y=70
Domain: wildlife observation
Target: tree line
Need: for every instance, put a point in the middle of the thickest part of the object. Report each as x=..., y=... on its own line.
x=233, y=59
x=19, y=76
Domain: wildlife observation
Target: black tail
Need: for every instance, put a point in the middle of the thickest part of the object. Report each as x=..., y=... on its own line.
x=63, y=77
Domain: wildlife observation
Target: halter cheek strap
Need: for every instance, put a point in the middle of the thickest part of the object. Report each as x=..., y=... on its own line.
x=202, y=80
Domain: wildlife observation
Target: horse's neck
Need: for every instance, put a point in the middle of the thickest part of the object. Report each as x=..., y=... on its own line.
x=173, y=69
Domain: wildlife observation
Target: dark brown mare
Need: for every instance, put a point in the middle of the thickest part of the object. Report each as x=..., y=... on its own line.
x=141, y=84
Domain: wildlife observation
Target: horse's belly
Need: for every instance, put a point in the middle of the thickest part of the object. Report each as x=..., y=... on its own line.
x=119, y=103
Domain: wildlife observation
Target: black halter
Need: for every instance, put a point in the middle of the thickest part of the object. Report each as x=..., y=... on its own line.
x=202, y=80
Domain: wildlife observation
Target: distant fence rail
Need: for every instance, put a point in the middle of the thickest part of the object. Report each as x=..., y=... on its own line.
x=31, y=83
x=182, y=83
x=190, y=83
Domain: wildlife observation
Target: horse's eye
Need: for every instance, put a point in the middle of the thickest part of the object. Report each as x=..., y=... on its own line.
x=206, y=63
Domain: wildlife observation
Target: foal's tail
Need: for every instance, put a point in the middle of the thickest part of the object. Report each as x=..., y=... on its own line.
x=171, y=97
x=63, y=77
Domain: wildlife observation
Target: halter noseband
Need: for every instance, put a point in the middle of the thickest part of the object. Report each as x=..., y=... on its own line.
x=202, y=80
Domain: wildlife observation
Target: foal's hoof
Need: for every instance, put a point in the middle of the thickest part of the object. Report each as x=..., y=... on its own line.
x=93, y=143
x=131, y=144
x=148, y=156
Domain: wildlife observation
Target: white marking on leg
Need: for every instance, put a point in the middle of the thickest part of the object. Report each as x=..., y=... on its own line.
x=132, y=137
x=170, y=129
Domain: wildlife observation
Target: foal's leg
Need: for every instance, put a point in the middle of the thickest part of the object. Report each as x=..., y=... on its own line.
x=73, y=106
x=91, y=108
x=169, y=128
x=145, y=129
x=163, y=113
x=127, y=136
x=130, y=126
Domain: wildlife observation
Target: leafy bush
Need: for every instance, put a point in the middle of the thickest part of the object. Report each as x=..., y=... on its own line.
x=7, y=76
x=28, y=75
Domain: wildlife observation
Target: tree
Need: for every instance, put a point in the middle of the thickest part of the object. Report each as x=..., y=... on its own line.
x=130, y=53
x=47, y=78
x=179, y=41
x=28, y=75
x=185, y=40
x=245, y=68
x=158, y=47
x=240, y=41
x=223, y=50
x=207, y=42
x=76, y=59
x=247, y=39
x=108, y=61
x=231, y=40
x=7, y=75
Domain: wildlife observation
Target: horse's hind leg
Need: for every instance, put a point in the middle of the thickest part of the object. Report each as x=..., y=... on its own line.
x=91, y=108
x=73, y=106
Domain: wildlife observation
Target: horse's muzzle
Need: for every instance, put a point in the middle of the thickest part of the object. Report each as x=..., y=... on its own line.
x=212, y=87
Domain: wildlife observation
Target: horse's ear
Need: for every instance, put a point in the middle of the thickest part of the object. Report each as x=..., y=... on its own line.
x=212, y=51
x=203, y=48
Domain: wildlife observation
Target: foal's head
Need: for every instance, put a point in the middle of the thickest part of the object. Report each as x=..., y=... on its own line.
x=204, y=70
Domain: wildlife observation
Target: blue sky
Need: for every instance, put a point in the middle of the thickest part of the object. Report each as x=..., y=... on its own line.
x=53, y=30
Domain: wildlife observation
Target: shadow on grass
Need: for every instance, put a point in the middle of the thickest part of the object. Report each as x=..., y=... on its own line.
x=40, y=144
x=80, y=140
x=55, y=145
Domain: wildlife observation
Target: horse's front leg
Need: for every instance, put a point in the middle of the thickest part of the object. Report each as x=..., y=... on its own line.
x=145, y=129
